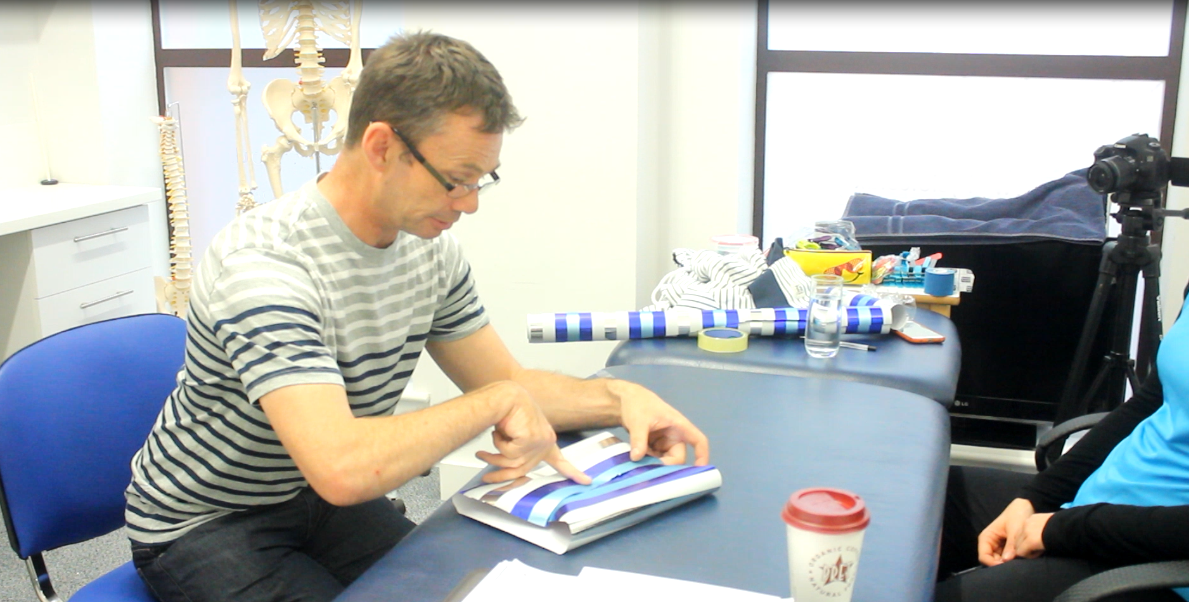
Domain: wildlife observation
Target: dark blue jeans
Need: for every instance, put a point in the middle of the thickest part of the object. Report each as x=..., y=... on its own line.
x=304, y=550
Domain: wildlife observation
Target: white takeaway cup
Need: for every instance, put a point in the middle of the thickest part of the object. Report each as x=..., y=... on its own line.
x=825, y=530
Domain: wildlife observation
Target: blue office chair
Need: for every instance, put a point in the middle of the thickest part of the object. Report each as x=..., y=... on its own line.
x=74, y=408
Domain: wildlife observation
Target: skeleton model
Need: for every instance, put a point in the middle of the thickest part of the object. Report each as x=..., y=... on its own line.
x=239, y=87
x=177, y=291
x=283, y=22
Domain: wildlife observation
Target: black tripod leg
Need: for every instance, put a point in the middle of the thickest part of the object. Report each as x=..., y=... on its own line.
x=1133, y=378
x=1151, y=321
x=1118, y=358
x=1069, y=406
x=1095, y=386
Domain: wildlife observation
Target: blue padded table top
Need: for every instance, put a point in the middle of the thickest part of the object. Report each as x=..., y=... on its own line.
x=770, y=436
x=929, y=370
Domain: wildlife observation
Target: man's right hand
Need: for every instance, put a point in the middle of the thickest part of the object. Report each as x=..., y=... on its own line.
x=996, y=544
x=524, y=438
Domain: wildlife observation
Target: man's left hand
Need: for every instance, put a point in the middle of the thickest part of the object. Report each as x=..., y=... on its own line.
x=656, y=428
x=1030, y=540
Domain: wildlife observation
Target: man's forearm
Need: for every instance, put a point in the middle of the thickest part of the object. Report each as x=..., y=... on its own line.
x=406, y=445
x=573, y=403
x=349, y=460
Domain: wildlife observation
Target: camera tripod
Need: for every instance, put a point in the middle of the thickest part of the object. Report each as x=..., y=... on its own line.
x=1123, y=259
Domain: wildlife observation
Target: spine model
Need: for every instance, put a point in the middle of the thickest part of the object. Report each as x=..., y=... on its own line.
x=177, y=290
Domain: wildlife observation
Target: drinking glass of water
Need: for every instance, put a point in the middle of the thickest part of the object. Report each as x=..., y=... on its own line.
x=823, y=329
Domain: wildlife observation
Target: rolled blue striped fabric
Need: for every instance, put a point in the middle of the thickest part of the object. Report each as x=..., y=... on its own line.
x=861, y=300
x=622, y=325
x=871, y=310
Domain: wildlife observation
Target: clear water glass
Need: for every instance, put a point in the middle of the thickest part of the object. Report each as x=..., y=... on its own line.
x=823, y=328
x=909, y=303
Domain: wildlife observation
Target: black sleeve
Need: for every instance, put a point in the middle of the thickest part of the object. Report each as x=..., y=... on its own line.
x=1060, y=482
x=1116, y=534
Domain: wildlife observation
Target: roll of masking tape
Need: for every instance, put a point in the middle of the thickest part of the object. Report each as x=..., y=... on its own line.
x=722, y=340
x=939, y=282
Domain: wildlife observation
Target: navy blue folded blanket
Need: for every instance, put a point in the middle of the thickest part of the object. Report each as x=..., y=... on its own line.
x=1064, y=209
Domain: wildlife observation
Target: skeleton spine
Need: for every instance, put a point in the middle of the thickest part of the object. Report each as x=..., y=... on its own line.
x=179, y=216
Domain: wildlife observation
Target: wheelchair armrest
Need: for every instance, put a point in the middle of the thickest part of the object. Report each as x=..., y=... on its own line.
x=1060, y=432
x=1151, y=575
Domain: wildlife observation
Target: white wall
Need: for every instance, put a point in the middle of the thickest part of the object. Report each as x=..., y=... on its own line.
x=558, y=233
x=21, y=161
x=638, y=139
x=1174, y=265
x=92, y=74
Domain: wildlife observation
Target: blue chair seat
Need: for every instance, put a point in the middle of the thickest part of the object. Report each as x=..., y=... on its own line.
x=119, y=585
x=75, y=407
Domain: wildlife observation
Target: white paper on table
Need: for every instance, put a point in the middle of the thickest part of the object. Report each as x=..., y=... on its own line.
x=637, y=586
x=514, y=581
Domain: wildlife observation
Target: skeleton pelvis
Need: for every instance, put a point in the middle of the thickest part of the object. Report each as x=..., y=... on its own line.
x=283, y=99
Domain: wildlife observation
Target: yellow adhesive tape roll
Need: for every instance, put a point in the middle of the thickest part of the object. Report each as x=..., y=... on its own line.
x=722, y=340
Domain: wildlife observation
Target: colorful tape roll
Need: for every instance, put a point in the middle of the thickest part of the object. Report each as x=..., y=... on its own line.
x=939, y=282
x=722, y=340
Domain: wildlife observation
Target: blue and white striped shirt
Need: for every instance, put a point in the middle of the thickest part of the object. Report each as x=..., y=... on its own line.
x=285, y=295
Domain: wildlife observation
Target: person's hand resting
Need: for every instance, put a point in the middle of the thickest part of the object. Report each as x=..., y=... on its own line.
x=655, y=428
x=1016, y=532
x=1030, y=540
x=524, y=438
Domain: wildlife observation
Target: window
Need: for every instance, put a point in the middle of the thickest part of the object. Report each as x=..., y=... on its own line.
x=949, y=99
x=958, y=100
x=193, y=53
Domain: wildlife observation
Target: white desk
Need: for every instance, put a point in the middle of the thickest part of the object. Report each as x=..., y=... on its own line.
x=72, y=254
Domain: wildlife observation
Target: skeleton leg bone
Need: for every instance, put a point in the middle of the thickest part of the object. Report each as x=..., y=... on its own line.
x=272, y=163
x=239, y=88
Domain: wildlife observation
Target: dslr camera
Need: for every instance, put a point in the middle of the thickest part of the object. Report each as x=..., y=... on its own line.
x=1135, y=164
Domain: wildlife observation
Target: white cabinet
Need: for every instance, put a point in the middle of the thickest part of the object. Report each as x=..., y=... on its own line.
x=83, y=258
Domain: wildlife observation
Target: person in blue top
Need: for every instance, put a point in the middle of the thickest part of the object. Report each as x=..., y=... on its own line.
x=1118, y=497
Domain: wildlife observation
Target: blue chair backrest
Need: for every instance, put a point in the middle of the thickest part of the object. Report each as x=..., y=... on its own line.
x=74, y=408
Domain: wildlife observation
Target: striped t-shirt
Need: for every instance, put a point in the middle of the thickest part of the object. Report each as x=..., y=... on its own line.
x=287, y=295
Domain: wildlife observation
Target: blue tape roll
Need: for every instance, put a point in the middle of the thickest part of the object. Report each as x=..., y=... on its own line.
x=939, y=282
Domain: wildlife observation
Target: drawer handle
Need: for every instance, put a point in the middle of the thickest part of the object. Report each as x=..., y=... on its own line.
x=103, y=300
x=98, y=234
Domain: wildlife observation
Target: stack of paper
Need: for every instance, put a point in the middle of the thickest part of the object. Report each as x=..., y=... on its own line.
x=514, y=581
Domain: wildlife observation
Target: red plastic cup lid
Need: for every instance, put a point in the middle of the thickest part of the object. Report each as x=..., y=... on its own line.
x=826, y=510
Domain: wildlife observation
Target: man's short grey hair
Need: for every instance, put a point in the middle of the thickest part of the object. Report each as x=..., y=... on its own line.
x=415, y=79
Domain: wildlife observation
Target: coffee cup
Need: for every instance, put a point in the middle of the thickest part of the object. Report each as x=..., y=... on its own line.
x=825, y=530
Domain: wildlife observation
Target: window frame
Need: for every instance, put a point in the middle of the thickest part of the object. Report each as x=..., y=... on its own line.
x=166, y=58
x=1166, y=69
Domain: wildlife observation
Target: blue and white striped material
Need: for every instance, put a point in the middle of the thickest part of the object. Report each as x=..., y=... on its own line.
x=867, y=313
x=867, y=319
x=617, y=326
x=617, y=484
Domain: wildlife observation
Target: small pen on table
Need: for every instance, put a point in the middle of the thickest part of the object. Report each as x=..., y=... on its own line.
x=859, y=346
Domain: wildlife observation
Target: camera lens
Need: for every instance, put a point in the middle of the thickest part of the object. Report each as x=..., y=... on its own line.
x=1111, y=174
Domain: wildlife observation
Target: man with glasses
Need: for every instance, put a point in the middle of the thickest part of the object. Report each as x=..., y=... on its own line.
x=264, y=477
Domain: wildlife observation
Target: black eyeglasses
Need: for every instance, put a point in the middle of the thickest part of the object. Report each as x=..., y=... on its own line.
x=454, y=191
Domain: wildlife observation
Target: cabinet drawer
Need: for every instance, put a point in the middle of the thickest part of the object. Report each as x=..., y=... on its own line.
x=112, y=298
x=80, y=252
